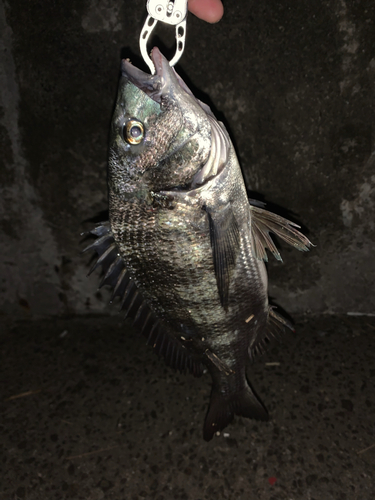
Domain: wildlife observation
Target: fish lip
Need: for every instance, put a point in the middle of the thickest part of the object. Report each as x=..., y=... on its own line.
x=155, y=86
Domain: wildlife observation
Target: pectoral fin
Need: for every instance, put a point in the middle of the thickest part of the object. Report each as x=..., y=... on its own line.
x=225, y=243
x=264, y=223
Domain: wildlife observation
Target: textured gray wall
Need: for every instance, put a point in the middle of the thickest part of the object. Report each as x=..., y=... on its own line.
x=294, y=82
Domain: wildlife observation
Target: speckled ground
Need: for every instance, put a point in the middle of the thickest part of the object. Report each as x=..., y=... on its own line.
x=88, y=412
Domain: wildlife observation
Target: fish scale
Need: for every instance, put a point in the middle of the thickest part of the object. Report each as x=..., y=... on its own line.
x=192, y=275
x=157, y=262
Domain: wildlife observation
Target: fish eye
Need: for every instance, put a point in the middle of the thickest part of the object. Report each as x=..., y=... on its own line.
x=133, y=132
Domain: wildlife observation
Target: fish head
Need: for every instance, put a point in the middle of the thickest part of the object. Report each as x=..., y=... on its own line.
x=160, y=134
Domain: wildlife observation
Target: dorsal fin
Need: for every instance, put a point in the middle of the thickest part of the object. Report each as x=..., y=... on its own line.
x=115, y=275
x=225, y=243
x=264, y=223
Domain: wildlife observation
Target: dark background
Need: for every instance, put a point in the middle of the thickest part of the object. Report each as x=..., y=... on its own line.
x=86, y=410
x=293, y=82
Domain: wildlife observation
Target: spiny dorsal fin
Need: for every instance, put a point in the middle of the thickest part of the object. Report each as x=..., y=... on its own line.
x=116, y=276
x=264, y=223
x=225, y=243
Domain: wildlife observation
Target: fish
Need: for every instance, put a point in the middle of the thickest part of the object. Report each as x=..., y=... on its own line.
x=184, y=247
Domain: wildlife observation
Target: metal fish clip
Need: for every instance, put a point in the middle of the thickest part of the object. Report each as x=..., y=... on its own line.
x=171, y=12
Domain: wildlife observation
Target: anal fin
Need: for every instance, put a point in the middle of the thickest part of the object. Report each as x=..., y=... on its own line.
x=276, y=327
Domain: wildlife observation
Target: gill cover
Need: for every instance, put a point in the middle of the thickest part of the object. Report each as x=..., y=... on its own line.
x=160, y=135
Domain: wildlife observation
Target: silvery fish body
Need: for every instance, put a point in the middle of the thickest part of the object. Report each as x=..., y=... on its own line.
x=184, y=249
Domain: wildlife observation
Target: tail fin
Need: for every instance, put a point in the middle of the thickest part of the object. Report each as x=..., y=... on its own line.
x=223, y=408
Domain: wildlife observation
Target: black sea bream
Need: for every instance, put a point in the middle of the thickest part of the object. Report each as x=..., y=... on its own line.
x=184, y=249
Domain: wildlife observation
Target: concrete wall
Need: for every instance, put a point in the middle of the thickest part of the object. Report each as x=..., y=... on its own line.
x=293, y=81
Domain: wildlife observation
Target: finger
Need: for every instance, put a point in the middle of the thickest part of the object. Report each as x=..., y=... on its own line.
x=208, y=10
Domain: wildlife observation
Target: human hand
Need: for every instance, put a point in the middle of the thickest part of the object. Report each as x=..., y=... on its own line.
x=208, y=10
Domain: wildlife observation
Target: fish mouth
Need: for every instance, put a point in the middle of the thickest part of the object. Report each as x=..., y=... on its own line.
x=165, y=81
x=155, y=86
